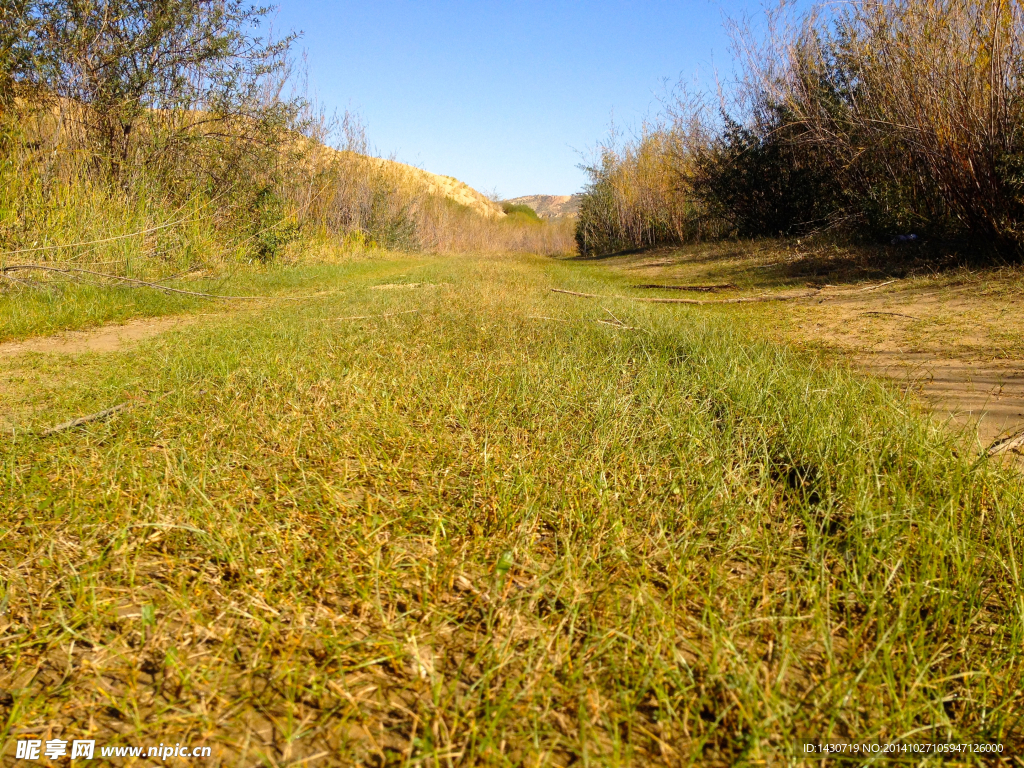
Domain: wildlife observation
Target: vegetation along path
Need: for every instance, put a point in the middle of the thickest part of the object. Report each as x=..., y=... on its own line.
x=475, y=521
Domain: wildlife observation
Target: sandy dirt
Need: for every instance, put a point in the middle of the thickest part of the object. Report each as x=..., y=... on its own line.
x=108, y=338
x=18, y=377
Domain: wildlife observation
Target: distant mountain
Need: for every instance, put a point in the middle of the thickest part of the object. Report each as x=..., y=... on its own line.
x=551, y=206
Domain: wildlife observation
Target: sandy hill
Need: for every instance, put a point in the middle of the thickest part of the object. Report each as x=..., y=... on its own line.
x=551, y=206
x=446, y=186
x=451, y=188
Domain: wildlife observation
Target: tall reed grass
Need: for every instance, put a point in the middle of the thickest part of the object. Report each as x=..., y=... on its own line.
x=865, y=120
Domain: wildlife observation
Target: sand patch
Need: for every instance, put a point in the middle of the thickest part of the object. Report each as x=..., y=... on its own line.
x=107, y=338
x=395, y=286
x=988, y=396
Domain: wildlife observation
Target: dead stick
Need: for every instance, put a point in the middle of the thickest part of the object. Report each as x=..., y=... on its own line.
x=892, y=314
x=694, y=288
x=84, y=420
x=1007, y=444
x=386, y=314
x=620, y=326
x=699, y=302
x=573, y=293
x=880, y=285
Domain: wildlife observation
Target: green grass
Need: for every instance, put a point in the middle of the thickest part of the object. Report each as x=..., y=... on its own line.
x=61, y=306
x=468, y=535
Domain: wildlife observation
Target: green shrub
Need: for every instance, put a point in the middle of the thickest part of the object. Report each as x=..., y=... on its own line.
x=764, y=181
x=520, y=213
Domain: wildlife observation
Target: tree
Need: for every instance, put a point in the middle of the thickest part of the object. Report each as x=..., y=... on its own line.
x=183, y=68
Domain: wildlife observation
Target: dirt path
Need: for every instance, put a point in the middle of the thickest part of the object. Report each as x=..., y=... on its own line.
x=107, y=338
x=988, y=396
x=18, y=377
x=958, y=352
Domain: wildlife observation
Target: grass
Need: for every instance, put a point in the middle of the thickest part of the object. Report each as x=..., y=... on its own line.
x=55, y=306
x=472, y=535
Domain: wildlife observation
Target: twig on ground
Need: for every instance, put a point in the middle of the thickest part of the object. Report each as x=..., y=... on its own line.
x=16, y=281
x=694, y=288
x=880, y=285
x=892, y=314
x=699, y=302
x=84, y=420
x=612, y=316
x=386, y=314
x=1011, y=443
x=620, y=326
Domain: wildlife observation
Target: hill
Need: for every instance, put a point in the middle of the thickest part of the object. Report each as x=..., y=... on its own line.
x=453, y=189
x=551, y=206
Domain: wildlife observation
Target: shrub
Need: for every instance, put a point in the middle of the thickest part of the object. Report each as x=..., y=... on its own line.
x=878, y=119
x=639, y=194
x=520, y=213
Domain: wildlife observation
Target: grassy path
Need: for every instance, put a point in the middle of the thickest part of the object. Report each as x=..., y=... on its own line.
x=495, y=531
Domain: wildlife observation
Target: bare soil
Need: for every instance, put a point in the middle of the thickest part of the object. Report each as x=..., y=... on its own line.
x=17, y=377
x=108, y=338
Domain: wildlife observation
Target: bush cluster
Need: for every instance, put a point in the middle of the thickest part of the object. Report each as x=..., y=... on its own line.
x=872, y=120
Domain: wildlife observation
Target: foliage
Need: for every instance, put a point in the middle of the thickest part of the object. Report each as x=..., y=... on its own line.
x=877, y=119
x=764, y=180
x=638, y=194
x=520, y=212
x=164, y=135
x=174, y=70
x=918, y=108
x=271, y=229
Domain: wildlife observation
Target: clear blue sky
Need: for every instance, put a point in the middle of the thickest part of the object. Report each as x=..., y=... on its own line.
x=503, y=95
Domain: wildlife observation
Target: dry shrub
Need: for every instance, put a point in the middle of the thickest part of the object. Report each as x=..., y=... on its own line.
x=638, y=195
x=918, y=106
x=444, y=226
x=872, y=118
x=376, y=201
x=167, y=130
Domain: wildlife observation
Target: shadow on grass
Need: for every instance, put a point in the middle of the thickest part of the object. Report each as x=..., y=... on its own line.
x=780, y=263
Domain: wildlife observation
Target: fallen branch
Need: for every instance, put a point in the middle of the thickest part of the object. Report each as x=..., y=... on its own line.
x=616, y=322
x=699, y=302
x=574, y=293
x=892, y=314
x=133, y=281
x=1011, y=443
x=620, y=326
x=16, y=281
x=84, y=420
x=876, y=287
x=386, y=314
x=694, y=288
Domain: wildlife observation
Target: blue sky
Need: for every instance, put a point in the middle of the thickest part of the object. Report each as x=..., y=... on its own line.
x=504, y=95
